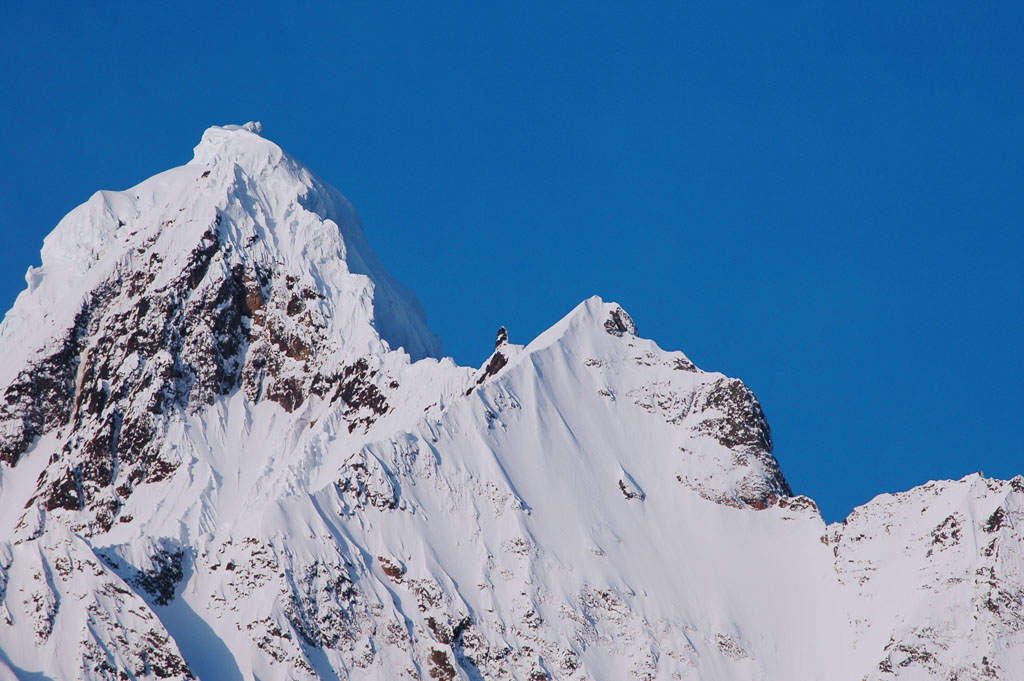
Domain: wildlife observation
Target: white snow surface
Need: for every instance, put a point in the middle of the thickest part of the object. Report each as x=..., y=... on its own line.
x=586, y=506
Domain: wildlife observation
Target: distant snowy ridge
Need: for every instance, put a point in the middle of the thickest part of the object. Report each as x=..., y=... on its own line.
x=230, y=448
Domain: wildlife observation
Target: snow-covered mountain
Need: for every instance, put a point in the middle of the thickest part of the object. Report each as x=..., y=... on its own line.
x=231, y=449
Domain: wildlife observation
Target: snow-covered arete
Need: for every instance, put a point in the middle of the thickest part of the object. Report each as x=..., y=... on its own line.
x=231, y=449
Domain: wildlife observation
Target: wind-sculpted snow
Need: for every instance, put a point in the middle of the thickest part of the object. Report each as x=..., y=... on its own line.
x=229, y=452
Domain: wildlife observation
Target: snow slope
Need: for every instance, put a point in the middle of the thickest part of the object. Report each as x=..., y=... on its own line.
x=231, y=450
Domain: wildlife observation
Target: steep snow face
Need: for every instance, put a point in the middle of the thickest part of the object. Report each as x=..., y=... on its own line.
x=239, y=271
x=230, y=451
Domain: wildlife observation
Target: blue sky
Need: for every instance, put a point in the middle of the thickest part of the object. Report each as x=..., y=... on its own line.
x=825, y=202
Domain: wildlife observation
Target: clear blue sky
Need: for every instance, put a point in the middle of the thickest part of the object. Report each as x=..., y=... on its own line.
x=827, y=203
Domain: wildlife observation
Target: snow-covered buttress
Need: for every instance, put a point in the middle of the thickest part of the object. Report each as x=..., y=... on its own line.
x=232, y=449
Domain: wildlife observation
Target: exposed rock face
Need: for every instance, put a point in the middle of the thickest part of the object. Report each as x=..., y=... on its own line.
x=619, y=323
x=498, y=359
x=734, y=418
x=133, y=355
x=140, y=354
x=227, y=453
x=493, y=366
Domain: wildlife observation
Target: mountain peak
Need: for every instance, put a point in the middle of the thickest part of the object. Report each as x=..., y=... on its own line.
x=215, y=462
x=264, y=209
x=591, y=317
x=243, y=145
x=244, y=271
x=254, y=127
